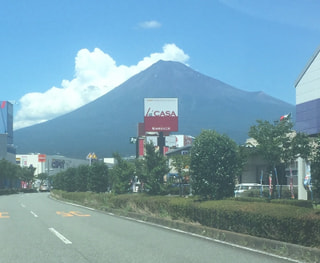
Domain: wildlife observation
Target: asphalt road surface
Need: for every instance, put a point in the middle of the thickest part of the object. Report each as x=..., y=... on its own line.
x=35, y=228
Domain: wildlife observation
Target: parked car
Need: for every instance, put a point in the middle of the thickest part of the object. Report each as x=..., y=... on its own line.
x=241, y=188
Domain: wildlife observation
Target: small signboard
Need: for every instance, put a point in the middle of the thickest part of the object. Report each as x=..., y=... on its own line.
x=41, y=158
x=161, y=114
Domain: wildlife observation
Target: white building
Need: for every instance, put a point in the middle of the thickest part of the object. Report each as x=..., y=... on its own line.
x=49, y=164
x=308, y=109
x=308, y=97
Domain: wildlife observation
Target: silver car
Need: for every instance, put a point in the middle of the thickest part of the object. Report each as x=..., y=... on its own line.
x=44, y=188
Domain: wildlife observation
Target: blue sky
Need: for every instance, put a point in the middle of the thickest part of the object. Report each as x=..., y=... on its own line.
x=59, y=55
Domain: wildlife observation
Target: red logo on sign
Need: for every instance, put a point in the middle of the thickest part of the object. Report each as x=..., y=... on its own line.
x=41, y=158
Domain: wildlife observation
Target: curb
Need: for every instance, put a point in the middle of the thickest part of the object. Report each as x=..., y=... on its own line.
x=292, y=252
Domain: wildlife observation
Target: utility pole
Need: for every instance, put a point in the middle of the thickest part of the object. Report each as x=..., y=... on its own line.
x=161, y=142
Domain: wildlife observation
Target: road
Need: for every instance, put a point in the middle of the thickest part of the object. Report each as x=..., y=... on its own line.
x=35, y=228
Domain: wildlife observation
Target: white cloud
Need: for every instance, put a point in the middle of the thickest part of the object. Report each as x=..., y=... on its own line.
x=150, y=24
x=96, y=73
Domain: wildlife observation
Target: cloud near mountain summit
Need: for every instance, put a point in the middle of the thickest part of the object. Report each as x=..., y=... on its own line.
x=96, y=73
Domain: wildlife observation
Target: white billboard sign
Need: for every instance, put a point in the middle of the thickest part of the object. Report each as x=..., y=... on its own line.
x=161, y=114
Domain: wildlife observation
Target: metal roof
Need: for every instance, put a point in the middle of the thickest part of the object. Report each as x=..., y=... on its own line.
x=177, y=150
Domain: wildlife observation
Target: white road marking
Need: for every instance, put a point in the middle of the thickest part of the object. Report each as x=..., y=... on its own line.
x=22, y=205
x=61, y=237
x=34, y=214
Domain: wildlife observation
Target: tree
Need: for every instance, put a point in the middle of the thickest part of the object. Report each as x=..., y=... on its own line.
x=180, y=163
x=215, y=164
x=42, y=177
x=9, y=174
x=278, y=144
x=315, y=170
x=155, y=169
x=93, y=178
x=69, y=179
x=82, y=175
x=58, y=181
x=27, y=175
x=270, y=140
x=98, y=180
x=121, y=175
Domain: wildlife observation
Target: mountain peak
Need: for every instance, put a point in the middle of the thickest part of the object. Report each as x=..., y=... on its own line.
x=105, y=125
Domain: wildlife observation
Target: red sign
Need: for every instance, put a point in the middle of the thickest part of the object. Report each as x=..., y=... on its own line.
x=141, y=147
x=161, y=114
x=41, y=158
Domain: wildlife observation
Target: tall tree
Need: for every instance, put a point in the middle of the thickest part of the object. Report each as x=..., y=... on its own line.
x=215, y=164
x=98, y=180
x=155, y=169
x=82, y=176
x=121, y=175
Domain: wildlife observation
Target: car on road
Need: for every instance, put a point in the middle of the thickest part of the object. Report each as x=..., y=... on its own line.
x=44, y=188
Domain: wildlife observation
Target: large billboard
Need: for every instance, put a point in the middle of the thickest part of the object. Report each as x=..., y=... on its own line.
x=6, y=120
x=161, y=114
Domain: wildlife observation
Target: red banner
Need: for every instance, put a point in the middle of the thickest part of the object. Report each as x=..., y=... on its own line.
x=157, y=124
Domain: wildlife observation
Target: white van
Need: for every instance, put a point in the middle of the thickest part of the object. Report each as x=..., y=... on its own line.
x=240, y=188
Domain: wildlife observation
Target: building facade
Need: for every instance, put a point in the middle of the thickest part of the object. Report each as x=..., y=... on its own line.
x=49, y=164
x=308, y=110
x=308, y=97
x=7, y=149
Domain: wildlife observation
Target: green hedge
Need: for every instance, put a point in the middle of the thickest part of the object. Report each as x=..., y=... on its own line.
x=293, y=202
x=284, y=221
x=277, y=220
